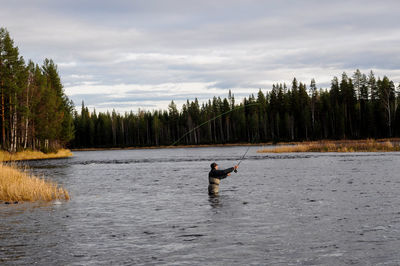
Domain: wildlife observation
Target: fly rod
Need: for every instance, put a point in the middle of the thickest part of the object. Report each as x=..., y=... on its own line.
x=241, y=159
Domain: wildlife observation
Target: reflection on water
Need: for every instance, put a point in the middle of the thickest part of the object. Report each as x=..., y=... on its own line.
x=214, y=201
x=152, y=207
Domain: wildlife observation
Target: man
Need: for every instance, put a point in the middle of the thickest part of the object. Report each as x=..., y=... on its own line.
x=215, y=176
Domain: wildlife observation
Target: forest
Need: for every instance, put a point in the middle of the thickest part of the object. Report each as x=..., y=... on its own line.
x=357, y=107
x=35, y=113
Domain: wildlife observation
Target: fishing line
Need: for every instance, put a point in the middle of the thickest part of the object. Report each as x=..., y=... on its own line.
x=212, y=119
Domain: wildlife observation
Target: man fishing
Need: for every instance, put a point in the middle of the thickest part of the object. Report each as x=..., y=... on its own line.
x=215, y=176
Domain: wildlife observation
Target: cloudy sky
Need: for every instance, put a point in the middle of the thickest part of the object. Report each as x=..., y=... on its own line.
x=127, y=54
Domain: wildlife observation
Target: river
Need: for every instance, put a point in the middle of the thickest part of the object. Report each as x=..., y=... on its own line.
x=150, y=207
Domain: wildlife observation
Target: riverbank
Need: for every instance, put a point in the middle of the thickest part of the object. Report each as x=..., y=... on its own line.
x=33, y=155
x=313, y=146
x=368, y=145
x=17, y=185
x=175, y=147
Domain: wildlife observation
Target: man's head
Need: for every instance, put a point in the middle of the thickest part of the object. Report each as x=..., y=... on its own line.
x=214, y=166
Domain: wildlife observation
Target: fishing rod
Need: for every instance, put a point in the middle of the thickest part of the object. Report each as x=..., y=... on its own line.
x=244, y=155
x=212, y=119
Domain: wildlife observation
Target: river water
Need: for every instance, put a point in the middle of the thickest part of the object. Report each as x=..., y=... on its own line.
x=150, y=207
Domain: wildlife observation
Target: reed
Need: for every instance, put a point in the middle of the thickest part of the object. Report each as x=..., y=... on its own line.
x=33, y=155
x=19, y=185
x=336, y=146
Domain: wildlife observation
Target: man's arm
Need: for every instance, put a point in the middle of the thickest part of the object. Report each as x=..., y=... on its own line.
x=229, y=170
x=221, y=174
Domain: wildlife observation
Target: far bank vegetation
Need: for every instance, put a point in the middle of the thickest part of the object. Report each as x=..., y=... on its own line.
x=336, y=146
x=359, y=106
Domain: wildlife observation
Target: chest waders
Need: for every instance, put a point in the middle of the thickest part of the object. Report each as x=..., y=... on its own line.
x=213, y=186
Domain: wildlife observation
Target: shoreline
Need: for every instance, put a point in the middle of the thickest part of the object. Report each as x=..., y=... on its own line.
x=283, y=143
x=18, y=185
x=174, y=147
x=367, y=145
x=34, y=155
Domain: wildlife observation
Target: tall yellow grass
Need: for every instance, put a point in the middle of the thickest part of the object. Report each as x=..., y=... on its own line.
x=336, y=146
x=17, y=185
x=33, y=155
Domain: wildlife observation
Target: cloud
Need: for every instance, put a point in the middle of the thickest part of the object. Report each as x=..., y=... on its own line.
x=146, y=53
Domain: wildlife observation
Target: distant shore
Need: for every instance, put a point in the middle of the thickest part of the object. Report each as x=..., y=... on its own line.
x=33, y=155
x=368, y=145
x=175, y=147
x=283, y=144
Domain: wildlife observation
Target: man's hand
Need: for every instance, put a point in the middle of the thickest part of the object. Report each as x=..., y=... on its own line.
x=228, y=174
x=236, y=167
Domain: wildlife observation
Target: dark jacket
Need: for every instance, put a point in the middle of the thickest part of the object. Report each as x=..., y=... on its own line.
x=214, y=177
x=220, y=174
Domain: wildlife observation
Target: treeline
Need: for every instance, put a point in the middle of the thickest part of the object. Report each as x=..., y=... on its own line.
x=34, y=113
x=361, y=106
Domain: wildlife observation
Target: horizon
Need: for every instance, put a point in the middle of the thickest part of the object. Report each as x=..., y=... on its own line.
x=237, y=101
x=126, y=56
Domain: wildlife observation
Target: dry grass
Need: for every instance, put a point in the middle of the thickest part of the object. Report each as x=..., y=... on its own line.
x=17, y=185
x=33, y=155
x=336, y=146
